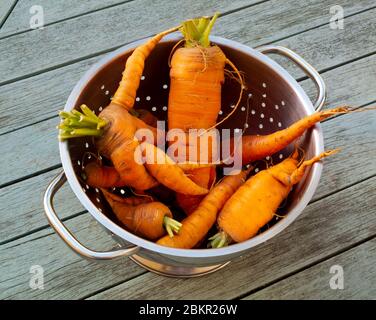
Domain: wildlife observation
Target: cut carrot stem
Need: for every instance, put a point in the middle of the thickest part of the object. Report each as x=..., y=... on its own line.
x=171, y=225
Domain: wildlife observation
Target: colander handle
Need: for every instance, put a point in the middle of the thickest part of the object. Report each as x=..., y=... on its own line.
x=66, y=235
x=306, y=68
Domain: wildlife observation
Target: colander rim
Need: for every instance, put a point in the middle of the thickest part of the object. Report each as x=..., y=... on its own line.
x=129, y=237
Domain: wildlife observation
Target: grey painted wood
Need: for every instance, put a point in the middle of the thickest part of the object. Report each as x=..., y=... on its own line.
x=23, y=199
x=21, y=205
x=55, y=10
x=350, y=84
x=325, y=227
x=326, y=48
x=18, y=110
x=5, y=9
x=359, y=270
x=66, y=275
x=59, y=82
x=342, y=218
x=37, y=149
x=58, y=43
x=24, y=160
x=102, y=30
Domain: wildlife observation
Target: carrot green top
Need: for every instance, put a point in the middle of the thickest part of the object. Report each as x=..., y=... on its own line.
x=197, y=31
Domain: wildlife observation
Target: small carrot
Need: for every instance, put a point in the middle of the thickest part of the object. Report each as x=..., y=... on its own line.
x=165, y=170
x=197, y=225
x=99, y=176
x=255, y=203
x=150, y=220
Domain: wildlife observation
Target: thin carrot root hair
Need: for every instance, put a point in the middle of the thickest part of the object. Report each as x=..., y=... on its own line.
x=173, y=50
x=141, y=194
x=242, y=88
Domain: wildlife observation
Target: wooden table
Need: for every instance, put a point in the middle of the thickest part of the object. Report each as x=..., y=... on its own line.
x=38, y=69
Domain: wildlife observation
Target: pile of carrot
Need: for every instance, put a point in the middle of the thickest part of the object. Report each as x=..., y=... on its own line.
x=239, y=204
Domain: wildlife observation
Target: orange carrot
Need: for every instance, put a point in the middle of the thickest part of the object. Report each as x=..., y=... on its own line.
x=114, y=126
x=190, y=203
x=125, y=95
x=165, y=170
x=102, y=176
x=197, y=225
x=258, y=147
x=255, y=203
x=150, y=220
x=197, y=74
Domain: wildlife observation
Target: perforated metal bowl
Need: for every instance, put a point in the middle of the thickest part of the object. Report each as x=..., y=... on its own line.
x=276, y=100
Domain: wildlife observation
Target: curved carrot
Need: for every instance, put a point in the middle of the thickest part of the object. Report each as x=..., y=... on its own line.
x=254, y=204
x=150, y=220
x=125, y=95
x=197, y=225
x=165, y=170
x=258, y=147
x=102, y=176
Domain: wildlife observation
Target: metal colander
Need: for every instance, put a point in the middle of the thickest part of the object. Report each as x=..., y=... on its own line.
x=272, y=101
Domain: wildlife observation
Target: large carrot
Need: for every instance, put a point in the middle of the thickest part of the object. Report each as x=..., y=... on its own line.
x=150, y=220
x=197, y=225
x=197, y=74
x=255, y=203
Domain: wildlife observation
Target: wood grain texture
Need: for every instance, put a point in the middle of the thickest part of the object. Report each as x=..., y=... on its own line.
x=42, y=136
x=345, y=132
x=58, y=83
x=325, y=227
x=5, y=10
x=54, y=10
x=326, y=48
x=359, y=270
x=21, y=205
x=66, y=275
x=64, y=42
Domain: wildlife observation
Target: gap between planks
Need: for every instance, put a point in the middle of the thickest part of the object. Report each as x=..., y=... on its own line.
x=107, y=50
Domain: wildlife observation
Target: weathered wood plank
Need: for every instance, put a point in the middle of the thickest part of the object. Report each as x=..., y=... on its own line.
x=359, y=270
x=20, y=110
x=37, y=149
x=347, y=219
x=326, y=227
x=350, y=84
x=21, y=205
x=59, y=82
x=77, y=38
x=58, y=43
x=325, y=47
x=346, y=132
x=5, y=8
x=66, y=275
x=19, y=19
x=23, y=160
